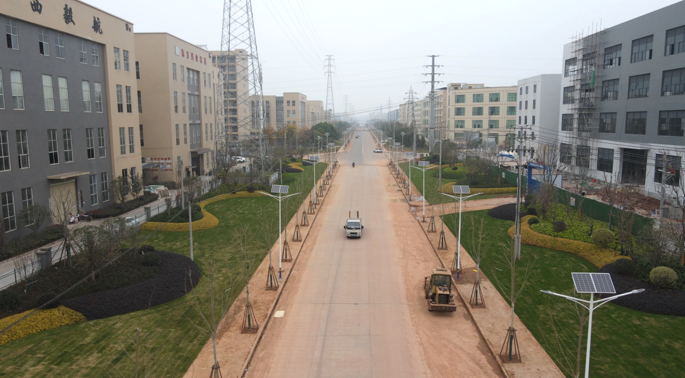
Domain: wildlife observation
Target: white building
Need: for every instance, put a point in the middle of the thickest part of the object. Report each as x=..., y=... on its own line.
x=538, y=108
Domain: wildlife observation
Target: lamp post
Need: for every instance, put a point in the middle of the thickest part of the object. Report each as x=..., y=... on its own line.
x=280, y=189
x=462, y=189
x=423, y=167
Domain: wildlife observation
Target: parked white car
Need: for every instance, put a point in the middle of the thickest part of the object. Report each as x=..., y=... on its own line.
x=378, y=151
x=238, y=159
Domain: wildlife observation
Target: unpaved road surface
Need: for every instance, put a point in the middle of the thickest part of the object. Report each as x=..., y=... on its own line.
x=355, y=307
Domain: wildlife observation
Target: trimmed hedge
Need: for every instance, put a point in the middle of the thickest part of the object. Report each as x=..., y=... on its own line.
x=447, y=188
x=122, y=208
x=164, y=216
x=595, y=254
x=41, y=320
x=663, y=277
x=29, y=242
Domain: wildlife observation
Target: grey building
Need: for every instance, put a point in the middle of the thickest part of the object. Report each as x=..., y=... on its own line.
x=623, y=100
x=54, y=128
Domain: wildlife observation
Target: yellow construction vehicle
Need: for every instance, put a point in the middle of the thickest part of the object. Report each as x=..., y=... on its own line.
x=438, y=288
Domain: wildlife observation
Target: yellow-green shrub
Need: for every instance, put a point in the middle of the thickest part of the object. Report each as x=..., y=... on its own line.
x=207, y=222
x=447, y=188
x=595, y=254
x=41, y=320
x=297, y=166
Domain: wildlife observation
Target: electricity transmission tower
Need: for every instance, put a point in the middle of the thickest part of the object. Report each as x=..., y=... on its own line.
x=347, y=116
x=431, y=133
x=242, y=107
x=330, y=103
x=412, y=125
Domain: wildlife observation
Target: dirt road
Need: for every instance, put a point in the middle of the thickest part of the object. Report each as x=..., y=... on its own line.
x=355, y=307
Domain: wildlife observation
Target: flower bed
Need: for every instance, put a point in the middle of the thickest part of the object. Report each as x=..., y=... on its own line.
x=505, y=212
x=595, y=254
x=41, y=320
x=207, y=222
x=575, y=229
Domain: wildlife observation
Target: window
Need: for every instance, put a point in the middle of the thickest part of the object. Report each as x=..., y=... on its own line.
x=511, y=110
x=636, y=123
x=673, y=82
x=85, y=87
x=178, y=136
x=205, y=99
x=534, y=101
x=493, y=110
x=26, y=203
x=565, y=154
x=102, y=150
x=183, y=101
x=4, y=151
x=204, y=79
x=526, y=89
x=459, y=99
x=117, y=59
x=183, y=74
x=675, y=41
x=104, y=184
x=477, y=124
x=23, y=149
x=612, y=57
x=567, y=122
x=68, y=148
x=206, y=133
x=95, y=55
x=610, y=90
x=59, y=45
x=2, y=92
x=638, y=86
x=173, y=71
x=671, y=165
x=533, y=122
x=63, y=94
x=511, y=123
x=589, y=62
x=493, y=124
x=142, y=141
x=210, y=105
x=17, y=84
x=129, y=106
x=131, y=142
x=12, y=34
x=211, y=132
x=98, y=97
x=120, y=99
x=53, y=154
x=9, y=220
x=511, y=97
x=583, y=156
x=525, y=120
x=607, y=123
x=140, y=103
x=137, y=70
x=122, y=140
x=126, y=66
x=568, y=96
x=93, y=181
x=519, y=120
x=43, y=42
x=570, y=67
x=90, y=144
x=584, y=122
x=83, y=52
x=521, y=91
x=185, y=134
x=478, y=97
x=520, y=105
x=535, y=89
x=526, y=107
x=493, y=97
x=175, y=101
x=605, y=160
x=671, y=123
x=48, y=93
x=478, y=110
x=642, y=49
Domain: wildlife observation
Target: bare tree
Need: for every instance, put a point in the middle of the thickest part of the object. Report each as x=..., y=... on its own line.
x=35, y=216
x=192, y=186
x=136, y=185
x=480, y=244
x=567, y=335
x=121, y=186
x=24, y=267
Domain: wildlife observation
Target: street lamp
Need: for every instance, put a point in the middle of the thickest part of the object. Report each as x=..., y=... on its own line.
x=461, y=189
x=314, y=162
x=280, y=189
x=592, y=283
x=423, y=167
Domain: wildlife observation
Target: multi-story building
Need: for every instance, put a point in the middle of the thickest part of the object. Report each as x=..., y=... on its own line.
x=68, y=123
x=315, y=113
x=623, y=100
x=538, y=108
x=238, y=123
x=477, y=114
x=292, y=108
x=177, y=97
x=295, y=109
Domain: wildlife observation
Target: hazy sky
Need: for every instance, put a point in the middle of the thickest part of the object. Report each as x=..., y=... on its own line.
x=380, y=46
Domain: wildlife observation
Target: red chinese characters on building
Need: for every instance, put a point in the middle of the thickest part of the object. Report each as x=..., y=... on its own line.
x=183, y=52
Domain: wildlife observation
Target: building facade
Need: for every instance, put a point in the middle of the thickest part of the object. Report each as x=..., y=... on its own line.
x=68, y=125
x=622, y=104
x=538, y=108
x=177, y=91
x=237, y=107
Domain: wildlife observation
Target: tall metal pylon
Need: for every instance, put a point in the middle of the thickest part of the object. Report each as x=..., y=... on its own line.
x=242, y=107
x=431, y=131
x=346, y=112
x=412, y=126
x=330, y=102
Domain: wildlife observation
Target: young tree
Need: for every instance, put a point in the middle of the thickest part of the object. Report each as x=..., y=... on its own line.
x=567, y=331
x=136, y=185
x=121, y=186
x=480, y=244
x=35, y=216
x=192, y=186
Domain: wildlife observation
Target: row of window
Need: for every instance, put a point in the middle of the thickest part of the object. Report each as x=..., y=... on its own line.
x=535, y=90
x=193, y=103
x=492, y=110
x=641, y=50
x=193, y=76
x=22, y=143
x=478, y=124
x=131, y=140
x=670, y=123
x=196, y=133
x=525, y=120
x=480, y=97
x=526, y=105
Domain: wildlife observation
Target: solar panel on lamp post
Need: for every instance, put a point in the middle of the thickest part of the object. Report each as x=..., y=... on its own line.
x=280, y=189
x=592, y=283
x=423, y=167
x=461, y=189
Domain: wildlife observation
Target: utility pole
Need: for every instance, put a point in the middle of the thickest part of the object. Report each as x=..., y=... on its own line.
x=521, y=137
x=412, y=123
x=330, y=102
x=431, y=134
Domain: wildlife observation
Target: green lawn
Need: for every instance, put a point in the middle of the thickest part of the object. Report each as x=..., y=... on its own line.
x=432, y=183
x=625, y=343
x=92, y=349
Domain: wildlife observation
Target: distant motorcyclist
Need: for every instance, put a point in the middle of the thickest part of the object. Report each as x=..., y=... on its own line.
x=352, y=164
